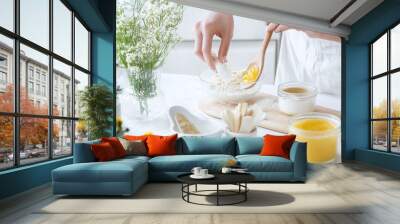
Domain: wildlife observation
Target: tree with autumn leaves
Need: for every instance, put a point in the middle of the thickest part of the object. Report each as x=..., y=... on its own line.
x=380, y=127
x=33, y=131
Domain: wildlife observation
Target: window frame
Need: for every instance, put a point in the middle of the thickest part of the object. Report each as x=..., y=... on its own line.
x=16, y=115
x=388, y=74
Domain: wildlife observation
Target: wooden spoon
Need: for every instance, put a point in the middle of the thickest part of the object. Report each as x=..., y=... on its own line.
x=259, y=61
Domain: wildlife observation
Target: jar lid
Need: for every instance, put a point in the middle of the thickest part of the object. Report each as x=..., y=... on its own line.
x=297, y=90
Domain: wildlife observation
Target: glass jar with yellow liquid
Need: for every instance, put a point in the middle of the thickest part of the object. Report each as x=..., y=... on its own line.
x=321, y=132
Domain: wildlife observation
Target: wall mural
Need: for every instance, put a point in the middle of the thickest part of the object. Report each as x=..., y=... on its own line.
x=197, y=72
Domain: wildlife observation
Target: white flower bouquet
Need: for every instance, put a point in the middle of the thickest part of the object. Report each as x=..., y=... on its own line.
x=146, y=32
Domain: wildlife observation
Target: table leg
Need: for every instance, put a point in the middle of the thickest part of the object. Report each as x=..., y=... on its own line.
x=188, y=190
x=195, y=188
x=217, y=194
x=245, y=193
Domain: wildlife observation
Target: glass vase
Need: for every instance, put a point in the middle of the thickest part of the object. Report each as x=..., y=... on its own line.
x=148, y=99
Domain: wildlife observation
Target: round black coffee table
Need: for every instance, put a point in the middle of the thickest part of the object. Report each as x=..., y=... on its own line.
x=238, y=179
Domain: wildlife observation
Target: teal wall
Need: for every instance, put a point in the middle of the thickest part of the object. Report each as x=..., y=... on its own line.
x=103, y=53
x=356, y=82
x=24, y=178
x=100, y=16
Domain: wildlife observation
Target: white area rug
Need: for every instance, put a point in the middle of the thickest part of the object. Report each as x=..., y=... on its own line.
x=166, y=198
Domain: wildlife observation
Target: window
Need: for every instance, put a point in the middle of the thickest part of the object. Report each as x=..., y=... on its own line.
x=37, y=74
x=3, y=78
x=44, y=91
x=81, y=81
x=7, y=14
x=44, y=115
x=37, y=89
x=61, y=75
x=6, y=74
x=62, y=137
x=3, y=70
x=6, y=142
x=35, y=21
x=62, y=29
x=30, y=72
x=30, y=88
x=81, y=45
x=385, y=94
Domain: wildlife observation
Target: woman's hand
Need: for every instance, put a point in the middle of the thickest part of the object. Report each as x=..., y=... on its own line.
x=216, y=24
x=276, y=28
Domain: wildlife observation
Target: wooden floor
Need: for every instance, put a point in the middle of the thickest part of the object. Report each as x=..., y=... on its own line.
x=379, y=189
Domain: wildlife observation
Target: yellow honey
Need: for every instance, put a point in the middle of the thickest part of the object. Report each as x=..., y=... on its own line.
x=321, y=132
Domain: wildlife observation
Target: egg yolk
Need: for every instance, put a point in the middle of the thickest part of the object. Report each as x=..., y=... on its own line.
x=251, y=75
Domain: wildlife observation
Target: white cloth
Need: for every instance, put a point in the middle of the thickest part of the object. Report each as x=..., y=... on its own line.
x=311, y=60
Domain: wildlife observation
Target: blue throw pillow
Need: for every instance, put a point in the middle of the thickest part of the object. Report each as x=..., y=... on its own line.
x=194, y=145
x=249, y=145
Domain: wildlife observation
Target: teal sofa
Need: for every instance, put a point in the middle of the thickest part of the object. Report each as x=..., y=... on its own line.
x=125, y=176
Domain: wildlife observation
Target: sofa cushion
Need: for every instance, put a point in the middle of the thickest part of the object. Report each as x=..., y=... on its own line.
x=134, y=147
x=257, y=163
x=185, y=163
x=116, y=145
x=195, y=145
x=277, y=145
x=103, y=152
x=161, y=145
x=112, y=171
x=249, y=145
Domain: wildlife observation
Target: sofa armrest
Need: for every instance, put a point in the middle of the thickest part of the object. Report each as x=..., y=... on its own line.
x=298, y=155
x=83, y=152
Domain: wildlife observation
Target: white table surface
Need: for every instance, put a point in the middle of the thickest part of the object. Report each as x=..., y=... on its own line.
x=187, y=90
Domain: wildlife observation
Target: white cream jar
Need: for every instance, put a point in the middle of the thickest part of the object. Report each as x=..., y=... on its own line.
x=296, y=97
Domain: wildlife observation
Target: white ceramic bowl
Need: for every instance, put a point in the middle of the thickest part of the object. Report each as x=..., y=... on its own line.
x=210, y=80
x=205, y=126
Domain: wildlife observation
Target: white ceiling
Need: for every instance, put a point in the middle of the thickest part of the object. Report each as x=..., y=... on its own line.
x=318, y=15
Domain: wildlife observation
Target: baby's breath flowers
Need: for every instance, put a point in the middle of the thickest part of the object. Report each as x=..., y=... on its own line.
x=146, y=32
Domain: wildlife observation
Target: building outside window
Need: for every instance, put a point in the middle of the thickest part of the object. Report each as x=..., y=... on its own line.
x=30, y=87
x=43, y=90
x=3, y=71
x=30, y=72
x=385, y=94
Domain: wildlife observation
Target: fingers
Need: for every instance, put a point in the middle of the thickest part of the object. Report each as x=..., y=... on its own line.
x=277, y=28
x=281, y=28
x=206, y=50
x=198, y=42
x=272, y=27
x=224, y=48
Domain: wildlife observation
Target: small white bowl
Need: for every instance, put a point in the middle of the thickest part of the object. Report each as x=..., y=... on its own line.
x=204, y=126
x=299, y=102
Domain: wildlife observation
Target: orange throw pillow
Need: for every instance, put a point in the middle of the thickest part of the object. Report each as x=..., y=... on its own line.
x=161, y=145
x=116, y=145
x=103, y=152
x=277, y=145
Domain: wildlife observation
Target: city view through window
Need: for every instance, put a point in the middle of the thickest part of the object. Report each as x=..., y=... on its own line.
x=385, y=82
x=39, y=112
